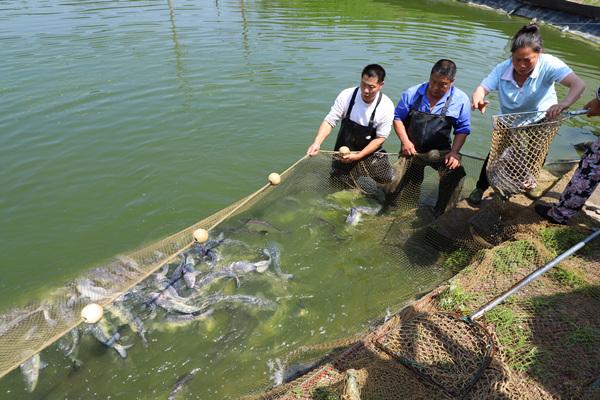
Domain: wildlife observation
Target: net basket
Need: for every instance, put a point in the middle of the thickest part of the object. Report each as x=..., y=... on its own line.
x=520, y=143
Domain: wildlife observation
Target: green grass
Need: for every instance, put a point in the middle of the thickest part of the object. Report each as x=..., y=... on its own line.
x=324, y=393
x=454, y=298
x=297, y=391
x=585, y=335
x=457, y=260
x=515, y=255
x=514, y=338
x=559, y=240
x=567, y=277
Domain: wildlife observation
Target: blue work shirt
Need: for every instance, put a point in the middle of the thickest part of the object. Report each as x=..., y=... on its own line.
x=537, y=92
x=459, y=110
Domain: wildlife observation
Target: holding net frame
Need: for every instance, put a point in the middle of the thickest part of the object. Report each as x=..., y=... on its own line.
x=520, y=143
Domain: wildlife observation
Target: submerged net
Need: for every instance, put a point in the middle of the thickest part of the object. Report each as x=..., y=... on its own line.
x=546, y=338
x=520, y=143
x=388, y=202
x=368, y=195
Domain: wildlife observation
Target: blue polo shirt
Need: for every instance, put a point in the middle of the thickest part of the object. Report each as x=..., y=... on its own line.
x=536, y=94
x=459, y=110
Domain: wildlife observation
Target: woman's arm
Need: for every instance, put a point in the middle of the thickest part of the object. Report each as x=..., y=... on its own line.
x=478, y=101
x=576, y=87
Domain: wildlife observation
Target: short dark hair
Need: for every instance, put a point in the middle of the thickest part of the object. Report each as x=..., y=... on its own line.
x=374, y=71
x=527, y=36
x=445, y=68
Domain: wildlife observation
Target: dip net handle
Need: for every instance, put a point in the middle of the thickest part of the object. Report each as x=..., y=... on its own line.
x=533, y=276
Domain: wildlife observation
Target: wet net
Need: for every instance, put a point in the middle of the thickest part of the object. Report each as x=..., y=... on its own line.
x=392, y=204
x=520, y=143
x=523, y=349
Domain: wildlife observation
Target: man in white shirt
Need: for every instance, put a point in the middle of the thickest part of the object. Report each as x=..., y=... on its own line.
x=367, y=116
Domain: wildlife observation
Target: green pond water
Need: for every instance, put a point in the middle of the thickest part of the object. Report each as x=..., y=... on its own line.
x=124, y=121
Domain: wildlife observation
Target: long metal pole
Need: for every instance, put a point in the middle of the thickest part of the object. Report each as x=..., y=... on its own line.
x=531, y=277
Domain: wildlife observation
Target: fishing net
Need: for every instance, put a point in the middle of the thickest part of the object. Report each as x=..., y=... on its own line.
x=520, y=143
x=25, y=331
x=393, y=199
x=543, y=343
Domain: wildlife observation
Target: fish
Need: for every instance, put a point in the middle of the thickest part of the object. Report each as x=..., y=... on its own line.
x=203, y=248
x=185, y=319
x=182, y=383
x=189, y=272
x=95, y=293
x=130, y=263
x=135, y=323
x=260, y=226
x=31, y=371
x=504, y=175
x=102, y=332
x=237, y=298
x=14, y=318
x=170, y=304
x=245, y=267
x=351, y=389
x=277, y=369
x=528, y=119
x=213, y=276
x=69, y=345
x=275, y=256
x=354, y=217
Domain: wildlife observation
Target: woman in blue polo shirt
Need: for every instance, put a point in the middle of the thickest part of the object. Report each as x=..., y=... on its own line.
x=525, y=82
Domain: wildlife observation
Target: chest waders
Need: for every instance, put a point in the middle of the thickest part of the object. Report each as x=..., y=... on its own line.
x=430, y=132
x=356, y=137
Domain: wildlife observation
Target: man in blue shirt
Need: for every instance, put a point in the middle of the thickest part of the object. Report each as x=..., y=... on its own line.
x=424, y=120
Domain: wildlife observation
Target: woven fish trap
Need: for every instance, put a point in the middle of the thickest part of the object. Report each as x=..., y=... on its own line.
x=520, y=143
x=444, y=349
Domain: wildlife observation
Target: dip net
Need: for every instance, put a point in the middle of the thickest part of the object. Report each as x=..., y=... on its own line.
x=520, y=143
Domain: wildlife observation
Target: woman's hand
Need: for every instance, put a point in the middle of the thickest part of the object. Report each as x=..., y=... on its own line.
x=554, y=111
x=478, y=101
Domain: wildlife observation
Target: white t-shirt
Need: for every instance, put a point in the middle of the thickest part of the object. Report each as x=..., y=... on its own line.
x=361, y=112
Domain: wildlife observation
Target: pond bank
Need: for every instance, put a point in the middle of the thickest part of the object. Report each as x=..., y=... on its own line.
x=579, y=19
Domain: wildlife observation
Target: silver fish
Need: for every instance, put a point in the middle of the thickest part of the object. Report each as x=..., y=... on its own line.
x=260, y=226
x=31, y=371
x=237, y=298
x=182, y=383
x=69, y=345
x=213, y=276
x=87, y=289
x=170, y=304
x=189, y=272
x=210, y=244
x=275, y=256
x=353, y=217
x=102, y=332
x=277, y=370
x=185, y=319
x=528, y=119
x=126, y=317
